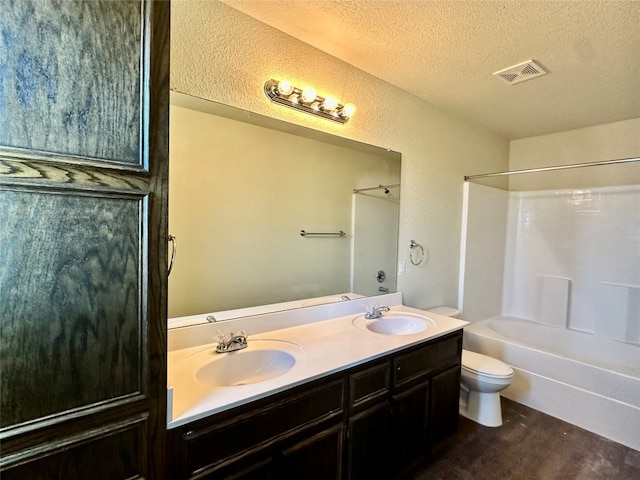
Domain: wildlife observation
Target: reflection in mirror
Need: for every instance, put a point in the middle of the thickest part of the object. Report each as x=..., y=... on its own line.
x=242, y=187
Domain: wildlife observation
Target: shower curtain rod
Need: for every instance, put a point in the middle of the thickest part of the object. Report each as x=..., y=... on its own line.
x=557, y=167
x=358, y=190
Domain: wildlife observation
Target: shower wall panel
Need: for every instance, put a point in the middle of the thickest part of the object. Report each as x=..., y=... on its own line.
x=588, y=239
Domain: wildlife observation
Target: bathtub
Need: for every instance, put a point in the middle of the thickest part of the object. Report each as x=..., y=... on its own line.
x=587, y=380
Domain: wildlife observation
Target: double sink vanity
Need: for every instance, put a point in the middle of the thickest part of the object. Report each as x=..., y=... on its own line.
x=321, y=393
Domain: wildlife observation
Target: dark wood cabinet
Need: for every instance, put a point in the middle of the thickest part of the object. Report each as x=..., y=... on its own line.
x=83, y=240
x=317, y=456
x=284, y=429
x=442, y=411
x=409, y=435
x=368, y=443
x=245, y=468
x=370, y=421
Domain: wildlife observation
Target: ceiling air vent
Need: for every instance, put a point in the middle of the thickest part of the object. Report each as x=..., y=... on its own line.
x=521, y=72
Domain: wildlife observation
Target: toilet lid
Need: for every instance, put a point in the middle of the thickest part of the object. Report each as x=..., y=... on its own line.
x=482, y=364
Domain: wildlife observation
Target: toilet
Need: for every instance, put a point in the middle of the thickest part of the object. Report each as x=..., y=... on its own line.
x=482, y=380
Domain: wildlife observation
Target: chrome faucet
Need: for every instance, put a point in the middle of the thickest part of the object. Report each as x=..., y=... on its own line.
x=375, y=312
x=231, y=342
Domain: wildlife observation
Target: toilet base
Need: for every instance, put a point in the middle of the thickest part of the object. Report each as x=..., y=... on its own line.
x=482, y=408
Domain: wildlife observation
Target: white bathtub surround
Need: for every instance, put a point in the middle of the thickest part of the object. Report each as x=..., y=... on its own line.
x=565, y=257
x=324, y=336
x=564, y=246
x=571, y=262
x=618, y=312
x=590, y=381
x=553, y=300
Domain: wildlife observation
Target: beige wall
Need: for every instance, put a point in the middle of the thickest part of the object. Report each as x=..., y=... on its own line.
x=602, y=142
x=223, y=55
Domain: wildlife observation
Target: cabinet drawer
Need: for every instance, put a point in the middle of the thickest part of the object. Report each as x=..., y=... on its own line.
x=368, y=385
x=432, y=357
x=209, y=446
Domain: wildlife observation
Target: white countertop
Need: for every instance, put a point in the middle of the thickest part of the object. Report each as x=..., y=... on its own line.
x=328, y=346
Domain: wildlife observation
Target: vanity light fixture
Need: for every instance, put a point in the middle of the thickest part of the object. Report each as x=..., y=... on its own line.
x=307, y=100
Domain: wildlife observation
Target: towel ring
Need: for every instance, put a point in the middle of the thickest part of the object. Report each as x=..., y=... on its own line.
x=415, y=250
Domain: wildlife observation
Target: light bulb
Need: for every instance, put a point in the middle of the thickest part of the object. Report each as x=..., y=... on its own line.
x=329, y=103
x=349, y=110
x=285, y=88
x=308, y=94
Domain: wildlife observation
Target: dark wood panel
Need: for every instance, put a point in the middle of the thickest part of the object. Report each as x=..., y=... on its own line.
x=70, y=313
x=112, y=451
x=83, y=217
x=410, y=425
x=211, y=445
x=318, y=457
x=244, y=469
x=445, y=398
x=368, y=443
x=369, y=385
x=418, y=363
x=37, y=173
x=72, y=77
x=156, y=160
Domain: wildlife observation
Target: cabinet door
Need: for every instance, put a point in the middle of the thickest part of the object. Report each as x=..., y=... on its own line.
x=368, y=443
x=318, y=457
x=443, y=411
x=83, y=170
x=410, y=425
x=259, y=468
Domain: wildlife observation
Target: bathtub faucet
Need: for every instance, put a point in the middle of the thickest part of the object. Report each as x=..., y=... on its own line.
x=231, y=342
x=375, y=312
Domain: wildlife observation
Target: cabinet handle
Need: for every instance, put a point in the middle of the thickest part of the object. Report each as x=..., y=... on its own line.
x=172, y=241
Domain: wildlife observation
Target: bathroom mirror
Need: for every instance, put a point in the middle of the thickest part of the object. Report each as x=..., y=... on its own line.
x=242, y=189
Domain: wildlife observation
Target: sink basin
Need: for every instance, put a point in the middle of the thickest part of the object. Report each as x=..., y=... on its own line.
x=262, y=360
x=395, y=323
x=245, y=368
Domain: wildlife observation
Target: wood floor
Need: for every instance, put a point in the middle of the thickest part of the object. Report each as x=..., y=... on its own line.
x=529, y=445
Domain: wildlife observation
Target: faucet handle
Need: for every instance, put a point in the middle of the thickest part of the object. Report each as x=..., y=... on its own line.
x=223, y=337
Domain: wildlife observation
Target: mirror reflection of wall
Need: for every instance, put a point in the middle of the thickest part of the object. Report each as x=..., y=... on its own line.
x=375, y=232
x=240, y=193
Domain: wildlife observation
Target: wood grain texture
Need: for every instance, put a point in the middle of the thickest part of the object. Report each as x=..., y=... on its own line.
x=113, y=451
x=84, y=93
x=72, y=77
x=156, y=142
x=70, y=330
x=44, y=173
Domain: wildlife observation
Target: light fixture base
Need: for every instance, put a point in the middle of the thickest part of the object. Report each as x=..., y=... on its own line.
x=313, y=108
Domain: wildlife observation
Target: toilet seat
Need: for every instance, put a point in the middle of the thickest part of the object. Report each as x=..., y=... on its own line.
x=478, y=364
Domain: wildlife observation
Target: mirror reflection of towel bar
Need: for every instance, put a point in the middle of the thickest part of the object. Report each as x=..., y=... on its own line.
x=322, y=234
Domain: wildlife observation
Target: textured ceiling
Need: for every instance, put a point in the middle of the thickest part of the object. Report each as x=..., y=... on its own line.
x=446, y=51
